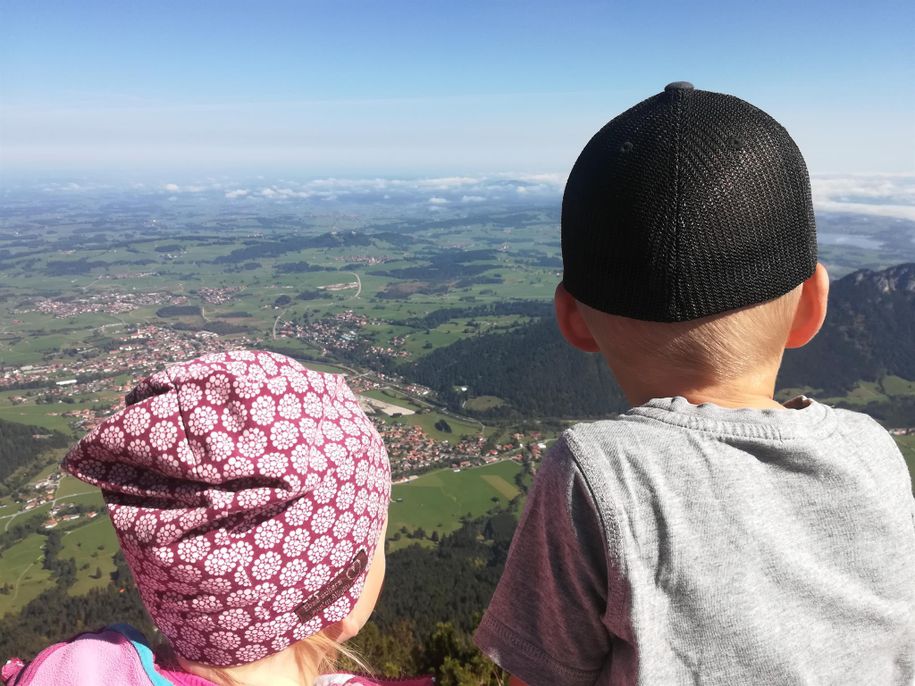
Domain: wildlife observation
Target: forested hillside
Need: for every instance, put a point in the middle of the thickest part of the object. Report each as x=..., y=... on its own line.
x=532, y=369
x=868, y=333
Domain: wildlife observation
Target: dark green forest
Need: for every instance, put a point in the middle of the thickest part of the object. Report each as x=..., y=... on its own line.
x=531, y=368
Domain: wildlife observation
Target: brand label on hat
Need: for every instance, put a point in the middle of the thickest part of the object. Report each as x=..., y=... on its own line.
x=335, y=588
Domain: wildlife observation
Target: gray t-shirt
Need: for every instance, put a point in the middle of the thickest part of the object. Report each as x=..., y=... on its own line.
x=684, y=544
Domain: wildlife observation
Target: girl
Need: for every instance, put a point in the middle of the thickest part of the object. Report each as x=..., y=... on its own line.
x=249, y=495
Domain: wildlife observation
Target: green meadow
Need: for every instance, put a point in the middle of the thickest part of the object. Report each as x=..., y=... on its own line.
x=45, y=416
x=20, y=566
x=91, y=546
x=70, y=486
x=438, y=500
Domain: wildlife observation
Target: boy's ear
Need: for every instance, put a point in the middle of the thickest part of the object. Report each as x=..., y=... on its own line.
x=571, y=323
x=811, y=309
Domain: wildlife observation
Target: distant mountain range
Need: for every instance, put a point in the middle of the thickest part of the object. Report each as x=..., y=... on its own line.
x=869, y=332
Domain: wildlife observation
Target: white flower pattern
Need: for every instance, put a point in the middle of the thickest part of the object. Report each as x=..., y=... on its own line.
x=163, y=435
x=284, y=435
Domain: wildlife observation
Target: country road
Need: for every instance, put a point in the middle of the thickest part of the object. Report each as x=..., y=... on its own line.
x=277, y=321
x=24, y=572
x=358, y=285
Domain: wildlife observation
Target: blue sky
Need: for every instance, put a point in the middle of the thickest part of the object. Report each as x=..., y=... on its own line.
x=390, y=88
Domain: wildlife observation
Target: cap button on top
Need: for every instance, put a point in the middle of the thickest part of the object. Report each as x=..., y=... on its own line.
x=679, y=86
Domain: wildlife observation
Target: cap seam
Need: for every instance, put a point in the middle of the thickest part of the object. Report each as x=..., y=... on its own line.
x=678, y=295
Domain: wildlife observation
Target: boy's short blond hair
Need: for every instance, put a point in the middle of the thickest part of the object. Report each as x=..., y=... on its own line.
x=720, y=347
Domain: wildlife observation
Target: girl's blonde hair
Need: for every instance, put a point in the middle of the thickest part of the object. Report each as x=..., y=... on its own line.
x=320, y=654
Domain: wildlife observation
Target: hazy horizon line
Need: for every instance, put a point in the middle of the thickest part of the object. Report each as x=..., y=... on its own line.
x=883, y=193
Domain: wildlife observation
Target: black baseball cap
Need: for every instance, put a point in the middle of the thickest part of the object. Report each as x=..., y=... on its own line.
x=688, y=204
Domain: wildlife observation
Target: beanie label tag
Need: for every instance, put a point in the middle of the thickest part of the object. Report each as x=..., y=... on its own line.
x=335, y=588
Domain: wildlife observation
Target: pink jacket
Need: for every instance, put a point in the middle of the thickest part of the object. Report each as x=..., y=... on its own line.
x=119, y=655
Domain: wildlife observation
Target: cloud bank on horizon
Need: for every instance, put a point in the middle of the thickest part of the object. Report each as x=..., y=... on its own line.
x=884, y=195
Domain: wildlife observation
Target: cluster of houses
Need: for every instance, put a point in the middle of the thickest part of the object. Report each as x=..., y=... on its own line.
x=218, y=296
x=368, y=260
x=144, y=349
x=411, y=449
x=59, y=515
x=339, y=333
x=103, y=301
x=44, y=492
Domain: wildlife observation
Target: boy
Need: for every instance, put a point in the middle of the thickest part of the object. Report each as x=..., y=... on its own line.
x=709, y=535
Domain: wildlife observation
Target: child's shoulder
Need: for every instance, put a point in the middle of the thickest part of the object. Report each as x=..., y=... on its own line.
x=655, y=437
x=855, y=423
x=878, y=451
x=802, y=417
x=116, y=654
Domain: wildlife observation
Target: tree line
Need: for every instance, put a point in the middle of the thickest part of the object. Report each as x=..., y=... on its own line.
x=20, y=444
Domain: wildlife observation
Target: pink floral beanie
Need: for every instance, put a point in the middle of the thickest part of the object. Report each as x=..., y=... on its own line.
x=248, y=494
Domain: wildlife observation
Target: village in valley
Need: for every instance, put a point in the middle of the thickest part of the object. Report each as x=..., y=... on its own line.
x=70, y=387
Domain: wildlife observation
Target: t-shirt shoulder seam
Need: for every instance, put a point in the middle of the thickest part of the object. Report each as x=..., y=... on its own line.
x=763, y=431
x=611, y=528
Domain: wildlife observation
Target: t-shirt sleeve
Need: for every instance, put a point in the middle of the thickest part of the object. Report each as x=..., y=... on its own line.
x=544, y=623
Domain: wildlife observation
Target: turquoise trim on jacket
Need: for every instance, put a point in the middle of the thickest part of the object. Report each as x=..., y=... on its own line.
x=144, y=652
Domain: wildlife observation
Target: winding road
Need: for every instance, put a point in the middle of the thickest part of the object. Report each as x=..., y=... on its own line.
x=358, y=285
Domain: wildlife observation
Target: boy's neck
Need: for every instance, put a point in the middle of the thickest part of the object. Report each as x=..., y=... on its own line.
x=755, y=392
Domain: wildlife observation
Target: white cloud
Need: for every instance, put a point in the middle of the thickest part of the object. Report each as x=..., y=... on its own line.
x=285, y=193
x=557, y=180
x=883, y=195
x=191, y=188
x=431, y=191
x=880, y=195
x=448, y=187
x=447, y=182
